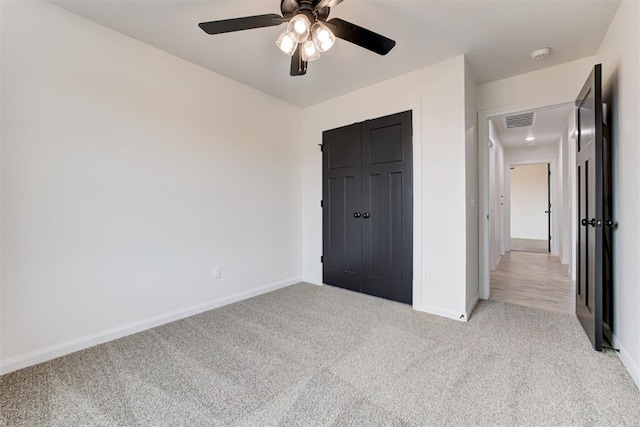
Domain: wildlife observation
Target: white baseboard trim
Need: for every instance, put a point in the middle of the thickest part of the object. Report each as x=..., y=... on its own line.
x=312, y=281
x=71, y=346
x=460, y=317
x=627, y=361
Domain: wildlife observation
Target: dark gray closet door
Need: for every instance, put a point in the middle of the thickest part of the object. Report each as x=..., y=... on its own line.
x=387, y=200
x=342, y=189
x=368, y=207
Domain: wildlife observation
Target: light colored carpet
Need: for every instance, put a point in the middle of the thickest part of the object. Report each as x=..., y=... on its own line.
x=308, y=355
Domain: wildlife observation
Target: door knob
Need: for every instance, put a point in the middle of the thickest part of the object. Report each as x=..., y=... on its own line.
x=585, y=222
x=366, y=215
x=356, y=214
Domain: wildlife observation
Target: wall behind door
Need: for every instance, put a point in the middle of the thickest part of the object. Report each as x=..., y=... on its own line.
x=529, y=201
x=530, y=155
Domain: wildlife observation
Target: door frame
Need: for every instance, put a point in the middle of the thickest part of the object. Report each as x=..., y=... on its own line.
x=553, y=196
x=484, y=116
x=413, y=105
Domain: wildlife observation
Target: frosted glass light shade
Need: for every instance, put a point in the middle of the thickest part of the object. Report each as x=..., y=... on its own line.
x=309, y=51
x=287, y=42
x=300, y=26
x=322, y=36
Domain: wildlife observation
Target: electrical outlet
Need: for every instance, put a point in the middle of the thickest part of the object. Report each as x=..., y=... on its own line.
x=217, y=271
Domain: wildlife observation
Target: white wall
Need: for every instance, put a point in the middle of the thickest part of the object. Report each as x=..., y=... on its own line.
x=471, y=173
x=436, y=95
x=529, y=195
x=563, y=226
x=566, y=195
x=619, y=57
x=127, y=173
x=549, y=86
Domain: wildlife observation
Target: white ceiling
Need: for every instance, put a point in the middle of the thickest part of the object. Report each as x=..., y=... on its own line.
x=547, y=128
x=496, y=35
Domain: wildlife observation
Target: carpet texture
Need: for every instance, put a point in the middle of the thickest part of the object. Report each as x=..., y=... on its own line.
x=308, y=355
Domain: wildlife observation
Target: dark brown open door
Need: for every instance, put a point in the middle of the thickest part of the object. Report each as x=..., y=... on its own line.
x=593, y=287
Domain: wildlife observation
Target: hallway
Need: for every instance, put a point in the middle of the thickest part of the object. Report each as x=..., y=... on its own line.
x=533, y=280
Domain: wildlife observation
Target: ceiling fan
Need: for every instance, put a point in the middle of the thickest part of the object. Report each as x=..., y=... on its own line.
x=308, y=31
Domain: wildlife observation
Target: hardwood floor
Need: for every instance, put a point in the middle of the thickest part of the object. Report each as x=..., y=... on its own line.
x=533, y=280
x=529, y=245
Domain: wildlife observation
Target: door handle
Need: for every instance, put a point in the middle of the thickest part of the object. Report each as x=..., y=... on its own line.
x=586, y=222
x=593, y=222
x=366, y=215
x=356, y=214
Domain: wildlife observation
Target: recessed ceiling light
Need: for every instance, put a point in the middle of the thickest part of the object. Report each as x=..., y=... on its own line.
x=530, y=138
x=541, y=53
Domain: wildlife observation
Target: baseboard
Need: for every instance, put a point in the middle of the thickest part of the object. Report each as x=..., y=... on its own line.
x=461, y=317
x=71, y=346
x=312, y=281
x=627, y=361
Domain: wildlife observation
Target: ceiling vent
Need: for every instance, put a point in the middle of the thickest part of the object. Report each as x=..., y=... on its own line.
x=519, y=120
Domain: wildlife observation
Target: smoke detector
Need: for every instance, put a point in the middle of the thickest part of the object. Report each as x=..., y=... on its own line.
x=541, y=53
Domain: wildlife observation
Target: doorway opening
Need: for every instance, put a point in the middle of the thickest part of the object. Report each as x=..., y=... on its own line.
x=530, y=208
x=531, y=218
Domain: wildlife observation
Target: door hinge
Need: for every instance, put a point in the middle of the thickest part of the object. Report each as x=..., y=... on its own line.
x=321, y=258
x=321, y=147
x=322, y=203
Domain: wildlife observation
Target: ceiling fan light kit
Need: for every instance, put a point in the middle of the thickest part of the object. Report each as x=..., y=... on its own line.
x=322, y=37
x=308, y=32
x=287, y=42
x=301, y=26
x=309, y=51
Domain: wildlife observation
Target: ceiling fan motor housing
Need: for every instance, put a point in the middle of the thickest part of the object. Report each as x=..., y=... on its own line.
x=290, y=8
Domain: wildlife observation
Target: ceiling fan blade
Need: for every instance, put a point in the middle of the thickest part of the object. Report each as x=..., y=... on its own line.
x=360, y=36
x=239, y=24
x=327, y=3
x=298, y=66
